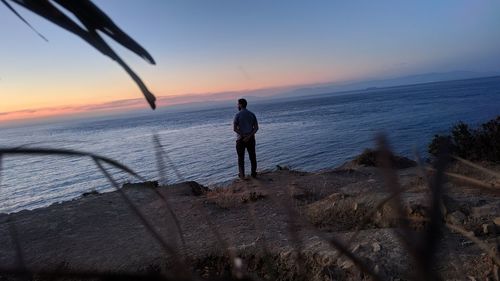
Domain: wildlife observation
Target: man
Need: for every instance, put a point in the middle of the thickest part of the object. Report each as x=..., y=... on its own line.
x=245, y=125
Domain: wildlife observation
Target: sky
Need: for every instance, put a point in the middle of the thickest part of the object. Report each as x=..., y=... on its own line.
x=208, y=46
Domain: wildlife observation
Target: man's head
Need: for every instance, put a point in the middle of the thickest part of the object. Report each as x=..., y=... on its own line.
x=242, y=103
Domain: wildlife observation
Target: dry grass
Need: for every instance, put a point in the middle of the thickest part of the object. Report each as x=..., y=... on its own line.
x=227, y=198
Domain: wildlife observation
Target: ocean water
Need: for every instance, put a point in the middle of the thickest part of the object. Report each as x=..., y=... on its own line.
x=307, y=134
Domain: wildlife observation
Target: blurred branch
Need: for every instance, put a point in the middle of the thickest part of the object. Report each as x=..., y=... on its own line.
x=480, y=168
x=478, y=242
x=24, y=20
x=68, y=152
x=93, y=19
x=490, y=187
x=162, y=171
x=137, y=212
x=433, y=232
x=17, y=244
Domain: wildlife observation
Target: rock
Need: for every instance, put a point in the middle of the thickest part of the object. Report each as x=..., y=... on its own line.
x=93, y=192
x=400, y=162
x=196, y=188
x=485, y=210
x=356, y=247
x=456, y=218
x=346, y=264
x=141, y=184
x=450, y=204
x=488, y=228
x=370, y=158
x=376, y=247
x=282, y=168
x=188, y=188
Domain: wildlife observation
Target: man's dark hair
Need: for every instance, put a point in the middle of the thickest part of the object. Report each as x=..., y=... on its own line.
x=243, y=103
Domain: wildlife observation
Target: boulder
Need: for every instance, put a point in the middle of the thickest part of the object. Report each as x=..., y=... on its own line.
x=150, y=184
x=496, y=221
x=456, y=218
x=196, y=188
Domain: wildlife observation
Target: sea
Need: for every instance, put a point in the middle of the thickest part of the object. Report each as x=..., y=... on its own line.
x=310, y=133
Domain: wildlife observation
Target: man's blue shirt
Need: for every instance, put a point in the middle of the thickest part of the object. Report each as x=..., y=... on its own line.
x=245, y=121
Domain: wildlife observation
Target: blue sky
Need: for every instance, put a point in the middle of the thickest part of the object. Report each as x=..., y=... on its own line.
x=211, y=46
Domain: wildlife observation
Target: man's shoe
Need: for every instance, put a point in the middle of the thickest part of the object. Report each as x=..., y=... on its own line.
x=254, y=175
x=241, y=176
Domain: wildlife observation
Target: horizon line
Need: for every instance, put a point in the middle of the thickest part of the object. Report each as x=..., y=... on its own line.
x=127, y=105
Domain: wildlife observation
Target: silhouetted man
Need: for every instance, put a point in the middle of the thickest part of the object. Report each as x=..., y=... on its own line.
x=245, y=125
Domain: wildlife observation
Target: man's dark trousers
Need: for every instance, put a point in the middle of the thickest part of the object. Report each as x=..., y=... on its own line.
x=240, y=149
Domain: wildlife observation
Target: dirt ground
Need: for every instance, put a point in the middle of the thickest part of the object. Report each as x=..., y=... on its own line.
x=279, y=226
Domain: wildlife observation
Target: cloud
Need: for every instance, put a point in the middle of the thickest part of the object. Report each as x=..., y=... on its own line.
x=129, y=104
x=113, y=106
x=24, y=111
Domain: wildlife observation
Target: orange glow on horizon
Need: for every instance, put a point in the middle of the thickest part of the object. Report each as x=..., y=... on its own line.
x=47, y=112
x=122, y=94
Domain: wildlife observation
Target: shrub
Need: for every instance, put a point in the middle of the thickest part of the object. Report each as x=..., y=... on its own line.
x=463, y=140
x=437, y=142
x=480, y=144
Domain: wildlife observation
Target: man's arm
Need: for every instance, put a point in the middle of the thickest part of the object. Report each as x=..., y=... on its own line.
x=236, y=128
x=255, y=129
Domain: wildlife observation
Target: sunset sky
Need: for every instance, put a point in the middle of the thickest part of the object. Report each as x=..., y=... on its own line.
x=225, y=45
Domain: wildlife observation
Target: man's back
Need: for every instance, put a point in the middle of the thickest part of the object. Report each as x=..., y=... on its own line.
x=246, y=121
